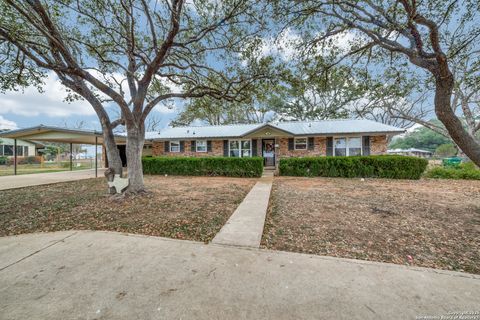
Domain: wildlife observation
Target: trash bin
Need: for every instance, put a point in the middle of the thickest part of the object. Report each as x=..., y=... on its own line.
x=452, y=162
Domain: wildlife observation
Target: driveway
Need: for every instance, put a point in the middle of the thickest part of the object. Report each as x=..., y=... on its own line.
x=36, y=179
x=103, y=275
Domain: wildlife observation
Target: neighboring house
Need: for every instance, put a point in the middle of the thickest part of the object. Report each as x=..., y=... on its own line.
x=273, y=141
x=411, y=152
x=24, y=148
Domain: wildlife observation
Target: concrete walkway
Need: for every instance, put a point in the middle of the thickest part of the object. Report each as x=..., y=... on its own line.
x=245, y=226
x=36, y=179
x=102, y=275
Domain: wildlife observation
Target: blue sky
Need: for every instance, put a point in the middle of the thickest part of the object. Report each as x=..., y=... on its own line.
x=27, y=108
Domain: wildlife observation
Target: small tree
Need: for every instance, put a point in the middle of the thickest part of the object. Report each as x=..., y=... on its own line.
x=135, y=54
x=446, y=150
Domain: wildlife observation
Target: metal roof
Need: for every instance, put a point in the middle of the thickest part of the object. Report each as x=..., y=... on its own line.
x=408, y=150
x=57, y=134
x=294, y=128
x=226, y=131
x=325, y=127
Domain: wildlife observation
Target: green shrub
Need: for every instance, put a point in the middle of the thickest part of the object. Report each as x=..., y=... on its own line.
x=468, y=166
x=3, y=160
x=453, y=173
x=205, y=166
x=384, y=166
x=24, y=160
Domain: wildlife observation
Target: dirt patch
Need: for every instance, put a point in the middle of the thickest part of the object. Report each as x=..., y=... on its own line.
x=430, y=223
x=193, y=208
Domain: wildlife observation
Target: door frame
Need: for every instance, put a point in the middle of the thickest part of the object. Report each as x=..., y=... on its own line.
x=274, y=153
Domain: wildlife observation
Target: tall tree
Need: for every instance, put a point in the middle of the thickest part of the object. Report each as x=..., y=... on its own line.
x=132, y=53
x=420, y=138
x=311, y=92
x=429, y=34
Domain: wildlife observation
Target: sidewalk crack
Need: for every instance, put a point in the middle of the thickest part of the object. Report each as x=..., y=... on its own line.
x=39, y=250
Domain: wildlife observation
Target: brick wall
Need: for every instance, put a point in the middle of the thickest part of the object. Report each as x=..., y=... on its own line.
x=158, y=149
x=319, y=149
x=378, y=144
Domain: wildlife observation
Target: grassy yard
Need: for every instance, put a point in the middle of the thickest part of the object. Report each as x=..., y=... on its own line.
x=193, y=208
x=47, y=167
x=430, y=223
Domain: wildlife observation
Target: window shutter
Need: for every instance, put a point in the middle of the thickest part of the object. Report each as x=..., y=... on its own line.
x=182, y=146
x=366, y=145
x=311, y=143
x=329, y=146
x=167, y=146
x=193, y=146
x=254, y=147
x=209, y=145
x=225, y=148
x=291, y=145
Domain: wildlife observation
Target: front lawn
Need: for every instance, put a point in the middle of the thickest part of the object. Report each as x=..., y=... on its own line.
x=430, y=223
x=193, y=208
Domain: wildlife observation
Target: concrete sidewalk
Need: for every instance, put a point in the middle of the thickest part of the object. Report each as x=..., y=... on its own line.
x=245, y=226
x=36, y=179
x=101, y=275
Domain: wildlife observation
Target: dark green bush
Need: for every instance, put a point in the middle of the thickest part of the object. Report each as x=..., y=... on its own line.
x=24, y=160
x=383, y=166
x=3, y=160
x=205, y=166
x=453, y=173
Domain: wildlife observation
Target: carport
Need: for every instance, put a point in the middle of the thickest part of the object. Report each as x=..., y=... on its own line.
x=60, y=135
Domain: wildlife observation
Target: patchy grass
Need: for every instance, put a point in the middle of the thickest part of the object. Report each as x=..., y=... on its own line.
x=435, y=222
x=193, y=208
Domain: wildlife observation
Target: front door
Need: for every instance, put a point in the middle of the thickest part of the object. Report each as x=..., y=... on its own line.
x=268, y=152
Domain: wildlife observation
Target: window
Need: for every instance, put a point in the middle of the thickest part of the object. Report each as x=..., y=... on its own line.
x=340, y=146
x=8, y=150
x=1, y=149
x=354, y=146
x=348, y=146
x=240, y=148
x=19, y=151
x=25, y=151
x=300, y=143
x=201, y=145
x=174, y=146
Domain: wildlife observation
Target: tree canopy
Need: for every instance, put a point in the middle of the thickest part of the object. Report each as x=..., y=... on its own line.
x=130, y=54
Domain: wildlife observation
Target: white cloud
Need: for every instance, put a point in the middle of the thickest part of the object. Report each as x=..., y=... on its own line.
x=31, y=103
x=282, y=46
x=7, y=124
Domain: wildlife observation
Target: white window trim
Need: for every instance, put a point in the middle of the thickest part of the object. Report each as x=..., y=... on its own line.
x=196, y=145
x=240, y=147
x=170, y=145
x=347, y=139
x=295, y=143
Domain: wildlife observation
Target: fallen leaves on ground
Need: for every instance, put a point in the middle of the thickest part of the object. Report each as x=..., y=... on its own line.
x=430, y=223
x=193, y=208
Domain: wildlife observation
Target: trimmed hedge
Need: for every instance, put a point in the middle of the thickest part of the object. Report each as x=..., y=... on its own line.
x=382, y=166
x=204, y=166
x=453, y=173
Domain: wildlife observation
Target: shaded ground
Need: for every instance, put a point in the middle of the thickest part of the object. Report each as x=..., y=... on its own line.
x=193, y=208
x=436, y=222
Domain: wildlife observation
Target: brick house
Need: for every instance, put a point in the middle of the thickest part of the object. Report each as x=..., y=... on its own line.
x=273, y=141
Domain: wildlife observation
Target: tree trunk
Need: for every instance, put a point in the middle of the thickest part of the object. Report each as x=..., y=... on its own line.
x=135, y=141
x=113, y=156
x=444, y=112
